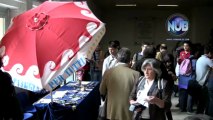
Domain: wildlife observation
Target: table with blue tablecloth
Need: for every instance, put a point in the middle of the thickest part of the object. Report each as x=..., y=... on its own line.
x=71, y=102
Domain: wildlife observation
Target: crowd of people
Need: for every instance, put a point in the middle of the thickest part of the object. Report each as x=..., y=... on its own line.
x=140, y=88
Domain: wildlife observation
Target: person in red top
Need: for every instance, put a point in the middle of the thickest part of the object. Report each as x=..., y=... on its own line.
x=185, y=100
x=185, y=54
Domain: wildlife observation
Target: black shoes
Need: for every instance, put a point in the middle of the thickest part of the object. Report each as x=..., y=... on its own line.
x=183, y=110
x=178, y=105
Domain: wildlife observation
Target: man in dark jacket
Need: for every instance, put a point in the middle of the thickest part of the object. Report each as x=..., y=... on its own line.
x=9, y=105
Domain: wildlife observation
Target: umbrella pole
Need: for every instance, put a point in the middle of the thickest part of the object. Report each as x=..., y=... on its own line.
x=51, y=95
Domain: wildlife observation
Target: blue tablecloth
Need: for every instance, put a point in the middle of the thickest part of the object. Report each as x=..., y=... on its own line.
x=74, y=104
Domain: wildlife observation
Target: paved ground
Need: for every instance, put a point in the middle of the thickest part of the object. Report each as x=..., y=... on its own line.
x=177, y=115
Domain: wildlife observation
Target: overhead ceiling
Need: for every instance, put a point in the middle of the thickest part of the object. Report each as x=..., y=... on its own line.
x=152, y=4
x=147, y=4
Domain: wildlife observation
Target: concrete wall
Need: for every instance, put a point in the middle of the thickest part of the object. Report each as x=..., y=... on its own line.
x=202, y=19
x=131, y=27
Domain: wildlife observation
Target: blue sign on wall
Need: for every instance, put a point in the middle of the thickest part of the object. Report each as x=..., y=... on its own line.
x=177, y=25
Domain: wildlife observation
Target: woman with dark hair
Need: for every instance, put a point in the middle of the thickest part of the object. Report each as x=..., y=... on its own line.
x=152, y=93
x=9, y=104
x=185, y=100
x=186, y=52
x=168, y=61
x=148, y=52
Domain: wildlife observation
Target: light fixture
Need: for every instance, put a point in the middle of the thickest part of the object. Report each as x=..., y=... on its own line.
x=167, y=5
x=125, y=5
x=34, y=6
x=20, y=1
x=8, y=6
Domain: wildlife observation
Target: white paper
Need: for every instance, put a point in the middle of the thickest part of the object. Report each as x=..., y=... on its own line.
x=59, y=94
x=85, y=82
x=141, y=97
x=76, y=98
x=143, y=102
x=44, y=101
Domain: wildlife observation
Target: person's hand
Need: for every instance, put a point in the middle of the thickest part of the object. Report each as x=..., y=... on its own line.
x=132, y=102
x=151, y=99
x=155, y=100
x=138, y=109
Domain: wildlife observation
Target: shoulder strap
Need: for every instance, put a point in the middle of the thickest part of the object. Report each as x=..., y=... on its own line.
x=160, y=87
x=160, y=84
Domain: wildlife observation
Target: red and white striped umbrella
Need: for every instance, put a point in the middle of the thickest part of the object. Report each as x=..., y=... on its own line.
x=47, y=44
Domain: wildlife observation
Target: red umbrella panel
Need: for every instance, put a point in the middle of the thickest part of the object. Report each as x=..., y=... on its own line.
x=47, y=44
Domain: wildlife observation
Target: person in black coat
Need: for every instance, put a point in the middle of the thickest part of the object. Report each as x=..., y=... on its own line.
x=9, y=105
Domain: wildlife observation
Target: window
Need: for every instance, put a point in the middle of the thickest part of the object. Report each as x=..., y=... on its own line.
x=2, y=27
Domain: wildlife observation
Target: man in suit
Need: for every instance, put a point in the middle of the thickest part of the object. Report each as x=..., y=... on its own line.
x=117, y=84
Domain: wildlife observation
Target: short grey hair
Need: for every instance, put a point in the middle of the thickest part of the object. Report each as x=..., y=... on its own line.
x=124, y=55
x=155, y=64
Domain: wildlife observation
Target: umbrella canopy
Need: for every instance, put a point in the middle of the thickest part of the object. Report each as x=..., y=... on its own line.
x=47, y=44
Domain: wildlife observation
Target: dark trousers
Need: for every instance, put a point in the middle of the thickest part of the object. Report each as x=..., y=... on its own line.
x=210, y=105
x=185, y=101
x=169, y=115
x=210, y=93
x=202, y=101
x=190, y=103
